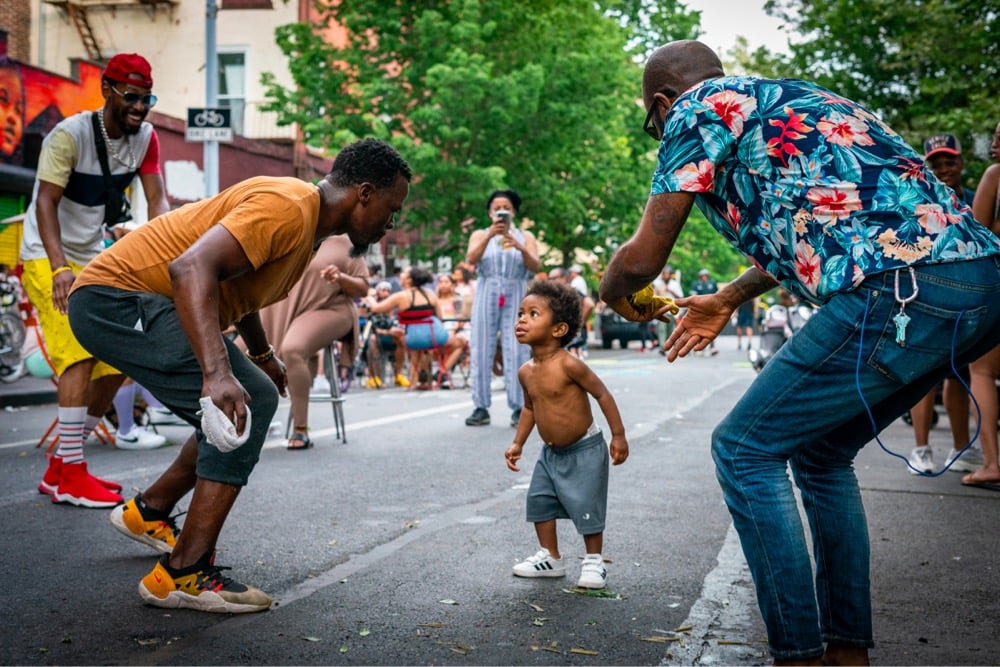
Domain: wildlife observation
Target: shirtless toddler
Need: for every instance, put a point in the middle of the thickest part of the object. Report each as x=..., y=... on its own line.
x=570, y=479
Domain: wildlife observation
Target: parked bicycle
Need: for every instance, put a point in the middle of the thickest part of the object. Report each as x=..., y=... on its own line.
x=12, y=331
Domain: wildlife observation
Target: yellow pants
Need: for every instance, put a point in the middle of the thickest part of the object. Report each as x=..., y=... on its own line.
x=60, y=343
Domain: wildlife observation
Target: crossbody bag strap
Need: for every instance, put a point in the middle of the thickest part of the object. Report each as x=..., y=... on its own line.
x=112, y=193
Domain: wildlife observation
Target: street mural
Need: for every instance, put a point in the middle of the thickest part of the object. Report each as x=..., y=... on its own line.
x=33, y=100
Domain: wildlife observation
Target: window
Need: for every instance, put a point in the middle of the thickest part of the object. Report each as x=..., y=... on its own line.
x=232, y=85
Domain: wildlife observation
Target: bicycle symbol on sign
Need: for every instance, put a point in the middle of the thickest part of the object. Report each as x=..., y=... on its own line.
x=209, y=118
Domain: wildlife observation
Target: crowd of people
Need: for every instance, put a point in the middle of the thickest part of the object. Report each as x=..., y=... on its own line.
x=142, y=308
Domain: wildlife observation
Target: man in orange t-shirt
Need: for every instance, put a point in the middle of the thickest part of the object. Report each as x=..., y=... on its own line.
x=154, y=305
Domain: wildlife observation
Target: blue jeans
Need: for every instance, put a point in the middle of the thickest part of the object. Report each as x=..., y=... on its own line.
x=805, y=411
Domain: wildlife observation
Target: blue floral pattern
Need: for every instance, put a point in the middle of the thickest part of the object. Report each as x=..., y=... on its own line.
x=813, y=188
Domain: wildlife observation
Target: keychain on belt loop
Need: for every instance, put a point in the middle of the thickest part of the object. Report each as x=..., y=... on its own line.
x=901, y=318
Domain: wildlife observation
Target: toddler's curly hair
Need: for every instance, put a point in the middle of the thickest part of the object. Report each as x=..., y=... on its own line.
x=565, y=303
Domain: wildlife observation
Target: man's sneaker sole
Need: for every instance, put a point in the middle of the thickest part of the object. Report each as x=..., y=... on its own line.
x=81, y=501
x=119, y=521
x=115, y=487
x=207, y=601
x=159, y=589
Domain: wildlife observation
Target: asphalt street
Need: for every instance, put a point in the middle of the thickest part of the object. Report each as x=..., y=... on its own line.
x=396, y=547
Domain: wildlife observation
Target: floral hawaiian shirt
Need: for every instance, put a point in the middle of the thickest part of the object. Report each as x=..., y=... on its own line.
x=813, y=188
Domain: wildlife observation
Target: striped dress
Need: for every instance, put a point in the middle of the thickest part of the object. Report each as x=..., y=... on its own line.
x=502, y=279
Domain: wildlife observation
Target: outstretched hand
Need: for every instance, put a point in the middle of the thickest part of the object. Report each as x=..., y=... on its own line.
x=706, y=317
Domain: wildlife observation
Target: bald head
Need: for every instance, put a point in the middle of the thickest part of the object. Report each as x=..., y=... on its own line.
x=677, y=66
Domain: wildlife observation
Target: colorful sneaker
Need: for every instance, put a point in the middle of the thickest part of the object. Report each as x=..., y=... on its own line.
x=139, y=438
x=80, y=488
x=593, y=574
x=53, y=475
x=155, y=529
x=401, y=381
x=540, y=565
x=202, y=587
x=375, y=382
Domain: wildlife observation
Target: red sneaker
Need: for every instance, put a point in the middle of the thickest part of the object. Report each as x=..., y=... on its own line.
x=53, y=475
x=80, y=488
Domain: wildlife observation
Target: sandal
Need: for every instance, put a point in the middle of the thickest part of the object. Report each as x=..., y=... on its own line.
x=300, y=437
x=974, y=479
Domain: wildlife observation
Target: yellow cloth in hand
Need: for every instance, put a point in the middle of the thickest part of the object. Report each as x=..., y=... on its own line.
x=647, y=301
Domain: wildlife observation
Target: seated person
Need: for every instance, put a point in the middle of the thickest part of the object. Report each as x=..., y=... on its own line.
x=417, y=311
x=386, y=336
x=318, y=310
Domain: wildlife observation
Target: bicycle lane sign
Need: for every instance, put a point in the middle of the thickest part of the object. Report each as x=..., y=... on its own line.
x=207, y=124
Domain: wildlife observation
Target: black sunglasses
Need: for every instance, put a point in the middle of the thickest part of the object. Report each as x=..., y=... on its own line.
x=650, y=126
x=148, y=100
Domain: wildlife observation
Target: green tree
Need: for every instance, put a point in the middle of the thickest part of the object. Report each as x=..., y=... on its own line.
x=538, y=95
x=926, y=66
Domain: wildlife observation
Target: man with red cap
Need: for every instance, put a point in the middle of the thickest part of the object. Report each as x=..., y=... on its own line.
x=76, y=202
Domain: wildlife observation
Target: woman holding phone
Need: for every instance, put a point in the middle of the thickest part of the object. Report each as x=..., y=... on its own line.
x=506, y=258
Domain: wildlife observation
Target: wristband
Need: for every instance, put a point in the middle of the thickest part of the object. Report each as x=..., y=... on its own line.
x=266, y=355
x=64, y=267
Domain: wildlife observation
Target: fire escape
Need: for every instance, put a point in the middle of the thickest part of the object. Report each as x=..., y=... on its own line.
x=77, y=11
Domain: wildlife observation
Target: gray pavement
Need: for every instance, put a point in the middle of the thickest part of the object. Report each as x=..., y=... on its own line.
x=396, y=548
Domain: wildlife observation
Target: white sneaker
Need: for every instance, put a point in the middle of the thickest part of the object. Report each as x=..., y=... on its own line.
x=540, y=565
x=320, y=385
x=593, y=574
x=922, y=459
x=163, y=416
x=139, y=438
x=971, y=460
x=496, y=384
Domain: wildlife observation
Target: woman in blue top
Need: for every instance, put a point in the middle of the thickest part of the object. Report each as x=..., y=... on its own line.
x=506, y=258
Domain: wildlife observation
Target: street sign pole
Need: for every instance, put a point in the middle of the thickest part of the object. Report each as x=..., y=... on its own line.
x=211, y=147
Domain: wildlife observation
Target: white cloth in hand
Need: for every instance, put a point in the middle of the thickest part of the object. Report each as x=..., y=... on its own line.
x=219, y=431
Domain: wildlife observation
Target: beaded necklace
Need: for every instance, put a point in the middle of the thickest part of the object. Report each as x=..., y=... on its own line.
x=130, y=165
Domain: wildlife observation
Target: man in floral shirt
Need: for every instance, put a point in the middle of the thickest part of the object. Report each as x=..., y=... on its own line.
x=830, y=203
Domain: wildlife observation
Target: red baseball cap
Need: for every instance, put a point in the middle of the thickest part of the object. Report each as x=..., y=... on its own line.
x=130, y=68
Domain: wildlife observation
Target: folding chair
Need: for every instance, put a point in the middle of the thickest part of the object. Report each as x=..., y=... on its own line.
x=331, y=360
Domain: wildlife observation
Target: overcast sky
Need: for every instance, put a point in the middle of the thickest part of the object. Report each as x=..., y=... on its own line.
x=723, y=20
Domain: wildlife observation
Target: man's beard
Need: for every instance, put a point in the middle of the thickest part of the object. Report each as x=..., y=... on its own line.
x=358, y=250
x=123, y=122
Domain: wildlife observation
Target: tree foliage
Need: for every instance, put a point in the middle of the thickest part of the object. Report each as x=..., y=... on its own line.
x=926, y=66
x=541, y=96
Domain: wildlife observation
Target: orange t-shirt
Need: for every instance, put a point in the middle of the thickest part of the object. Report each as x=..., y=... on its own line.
x=273, y=219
